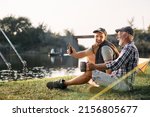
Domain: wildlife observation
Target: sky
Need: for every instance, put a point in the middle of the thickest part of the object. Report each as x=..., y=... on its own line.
x=80, y=16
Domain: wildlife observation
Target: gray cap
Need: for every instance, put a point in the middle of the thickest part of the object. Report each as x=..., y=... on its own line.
x=127, y=29
x=100, y=30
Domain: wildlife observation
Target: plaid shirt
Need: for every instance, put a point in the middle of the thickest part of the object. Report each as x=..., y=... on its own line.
x=127, y=60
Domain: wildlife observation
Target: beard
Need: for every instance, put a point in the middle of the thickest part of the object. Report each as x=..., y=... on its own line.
x=122, y=40
x=120, y=43
x=98, y=42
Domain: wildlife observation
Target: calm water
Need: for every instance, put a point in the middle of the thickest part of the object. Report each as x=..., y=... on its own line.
x=53, y=66
x=39, y=60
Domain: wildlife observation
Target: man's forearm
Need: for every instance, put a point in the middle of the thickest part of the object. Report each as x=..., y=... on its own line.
x=80, y=54
x=100, y=67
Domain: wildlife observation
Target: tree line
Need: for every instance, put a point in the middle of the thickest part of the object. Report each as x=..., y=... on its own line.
x=26, y=37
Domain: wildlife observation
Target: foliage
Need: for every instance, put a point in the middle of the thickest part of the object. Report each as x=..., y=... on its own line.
x=25, y=37
x=141, y=39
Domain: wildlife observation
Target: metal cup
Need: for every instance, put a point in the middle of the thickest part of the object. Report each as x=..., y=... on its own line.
x=82, y=66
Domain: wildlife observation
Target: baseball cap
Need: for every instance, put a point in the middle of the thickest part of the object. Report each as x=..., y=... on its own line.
x=100, y=30
x=127, y=29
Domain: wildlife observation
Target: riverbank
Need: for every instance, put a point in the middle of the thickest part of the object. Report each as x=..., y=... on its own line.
x=35, y=89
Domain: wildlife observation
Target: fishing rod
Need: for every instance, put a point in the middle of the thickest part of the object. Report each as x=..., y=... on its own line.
x=5, y=61
x=20, y=58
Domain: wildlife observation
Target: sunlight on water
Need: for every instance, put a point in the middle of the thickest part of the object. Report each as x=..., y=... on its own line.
x=64, y=72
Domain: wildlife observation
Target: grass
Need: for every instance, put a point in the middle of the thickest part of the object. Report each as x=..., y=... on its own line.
x=35, y=89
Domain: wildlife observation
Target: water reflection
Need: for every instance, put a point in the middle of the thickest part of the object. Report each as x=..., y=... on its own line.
x=53, y=66
x=39, y=60
x=39, y=66
x=36, y=60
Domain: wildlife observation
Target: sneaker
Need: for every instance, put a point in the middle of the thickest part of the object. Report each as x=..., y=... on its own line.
x=57, y=84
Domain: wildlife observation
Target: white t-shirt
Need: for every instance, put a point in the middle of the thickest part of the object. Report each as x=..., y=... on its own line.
x=107, y=53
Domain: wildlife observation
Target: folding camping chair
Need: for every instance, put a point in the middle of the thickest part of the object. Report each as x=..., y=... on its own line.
x=143, y=65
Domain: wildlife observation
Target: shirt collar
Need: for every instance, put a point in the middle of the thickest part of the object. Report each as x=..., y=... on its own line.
x=128, y=44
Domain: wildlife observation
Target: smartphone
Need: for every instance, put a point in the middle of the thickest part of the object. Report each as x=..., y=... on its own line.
x=70, y=48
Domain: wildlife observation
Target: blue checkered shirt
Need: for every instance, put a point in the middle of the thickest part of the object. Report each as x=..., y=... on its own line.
x=127, y=60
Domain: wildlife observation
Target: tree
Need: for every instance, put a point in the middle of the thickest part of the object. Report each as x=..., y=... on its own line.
x=148, y=30
x=25, y=37
x=13, y=26
x=131, y=22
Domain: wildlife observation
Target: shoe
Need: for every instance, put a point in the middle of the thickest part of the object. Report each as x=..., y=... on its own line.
x=57, y=84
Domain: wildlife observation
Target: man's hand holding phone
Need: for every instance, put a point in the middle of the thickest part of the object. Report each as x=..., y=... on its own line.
x=70, y=50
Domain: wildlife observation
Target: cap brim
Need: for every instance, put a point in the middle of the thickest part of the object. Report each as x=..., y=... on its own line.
x=95, y=31
x=117, y=30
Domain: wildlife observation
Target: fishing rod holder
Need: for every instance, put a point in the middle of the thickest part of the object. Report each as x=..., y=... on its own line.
x=18, y=55
x=36, y=72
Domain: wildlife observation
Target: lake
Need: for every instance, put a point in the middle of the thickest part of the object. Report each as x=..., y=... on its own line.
x=38, y=60
x=54, y=66
x=51, y=66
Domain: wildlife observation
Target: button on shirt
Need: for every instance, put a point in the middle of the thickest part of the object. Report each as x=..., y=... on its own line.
x=127, y=60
